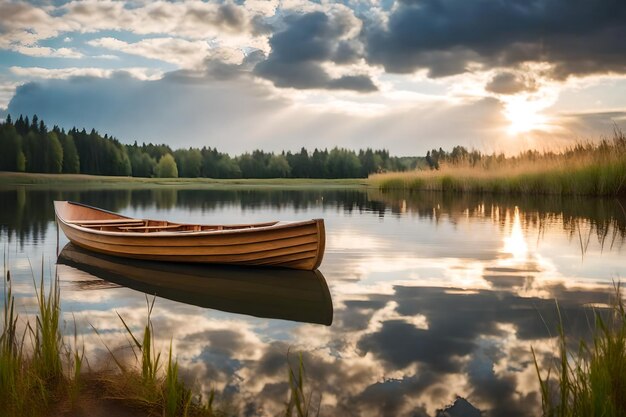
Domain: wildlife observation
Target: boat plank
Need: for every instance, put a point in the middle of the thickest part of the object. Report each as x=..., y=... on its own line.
x=166, y=252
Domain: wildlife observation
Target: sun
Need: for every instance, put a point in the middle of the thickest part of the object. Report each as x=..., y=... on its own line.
x=524, y=115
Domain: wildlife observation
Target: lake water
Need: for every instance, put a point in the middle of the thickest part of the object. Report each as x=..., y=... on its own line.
x=421, y=298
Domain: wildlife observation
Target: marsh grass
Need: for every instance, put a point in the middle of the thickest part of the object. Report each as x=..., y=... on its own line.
x=13, y=384
x=41, y=373
x=597, y=169
x=153, y=389
x=591, y=380
x=31, y=375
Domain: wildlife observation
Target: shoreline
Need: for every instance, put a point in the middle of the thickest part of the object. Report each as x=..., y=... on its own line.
x=37, y=180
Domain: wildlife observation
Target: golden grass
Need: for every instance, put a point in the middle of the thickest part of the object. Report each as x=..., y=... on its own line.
x=587, y=169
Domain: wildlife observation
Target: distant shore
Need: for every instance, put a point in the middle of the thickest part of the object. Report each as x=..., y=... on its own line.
x=36, y=180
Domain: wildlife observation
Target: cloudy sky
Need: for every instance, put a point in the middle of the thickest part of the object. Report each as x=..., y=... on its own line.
x=406, y=75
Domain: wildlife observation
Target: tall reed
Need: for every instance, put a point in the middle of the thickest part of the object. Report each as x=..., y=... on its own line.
x=31, y=375
x=590, y=381
x=299, y=402
x=40, y=371
x=12, y=380
x=586, y=169
x=151, y=389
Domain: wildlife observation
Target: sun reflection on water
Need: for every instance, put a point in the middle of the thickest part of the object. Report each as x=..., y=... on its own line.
x=515, y=244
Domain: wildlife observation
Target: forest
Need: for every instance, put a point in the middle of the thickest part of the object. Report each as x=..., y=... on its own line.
x=30, y=146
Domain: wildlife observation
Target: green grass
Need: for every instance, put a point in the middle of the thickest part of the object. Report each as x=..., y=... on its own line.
x=40, y=372
x=590, y=381
x=31, y=374
x=33, y=180
x=590, y=169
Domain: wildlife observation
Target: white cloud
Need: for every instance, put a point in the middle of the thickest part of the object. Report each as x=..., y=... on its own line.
x=65, y=73
x=186, y=54
x=227, y=25
x=262, y=7
x=43, y=51
x=7, y=89
x=106, y=56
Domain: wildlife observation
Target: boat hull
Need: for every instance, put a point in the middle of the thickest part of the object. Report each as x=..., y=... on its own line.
x=297, y=245
x=301, y=296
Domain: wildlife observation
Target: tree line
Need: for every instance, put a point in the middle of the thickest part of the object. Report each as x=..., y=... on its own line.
x=29, y=146
x=459, y=155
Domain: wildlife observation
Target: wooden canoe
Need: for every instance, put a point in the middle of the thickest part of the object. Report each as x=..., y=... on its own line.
x=297, y=245
x=262, y=292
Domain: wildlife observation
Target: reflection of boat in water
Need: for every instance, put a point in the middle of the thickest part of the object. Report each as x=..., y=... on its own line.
x=297, y=244
x=272, y=293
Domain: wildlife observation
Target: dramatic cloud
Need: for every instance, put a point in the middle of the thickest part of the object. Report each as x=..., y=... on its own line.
x=447, y=37
x=510, y=83
x=237, y=114
x=310, y=40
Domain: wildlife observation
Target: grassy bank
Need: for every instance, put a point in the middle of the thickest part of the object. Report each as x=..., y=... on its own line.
x=34, y=180
x=588, y=381
x=597, y=169
x=44, y=373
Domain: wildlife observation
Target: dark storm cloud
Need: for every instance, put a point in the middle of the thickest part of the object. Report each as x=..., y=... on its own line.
x=308, y=41
x=444, y=36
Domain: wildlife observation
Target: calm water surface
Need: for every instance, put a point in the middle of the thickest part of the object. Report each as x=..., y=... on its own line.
x=420, y=298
